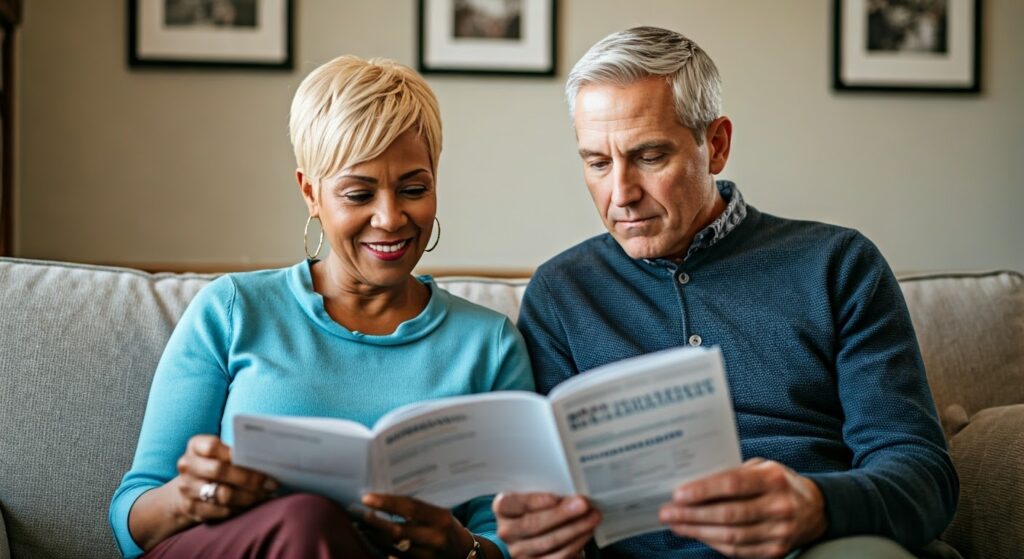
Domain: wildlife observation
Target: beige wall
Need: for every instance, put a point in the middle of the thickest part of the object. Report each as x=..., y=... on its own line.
x=195, y=167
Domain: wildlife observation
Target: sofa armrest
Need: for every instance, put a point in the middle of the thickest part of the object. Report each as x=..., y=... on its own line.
x=5, y=546
x=989, y=456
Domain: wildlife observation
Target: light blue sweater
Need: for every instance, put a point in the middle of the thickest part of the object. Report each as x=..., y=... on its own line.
x=261, y=342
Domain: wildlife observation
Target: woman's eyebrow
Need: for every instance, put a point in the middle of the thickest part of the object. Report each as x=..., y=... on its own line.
x=360, y=178
x=373, y=180
x=412, y=173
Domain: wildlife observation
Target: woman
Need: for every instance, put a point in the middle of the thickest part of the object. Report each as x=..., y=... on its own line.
x=354, y=335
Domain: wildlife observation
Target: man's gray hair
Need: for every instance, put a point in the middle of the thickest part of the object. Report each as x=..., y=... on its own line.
x=640, y=53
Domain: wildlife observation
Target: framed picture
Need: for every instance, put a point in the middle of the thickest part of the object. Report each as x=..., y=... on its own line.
x=502, y=37
x=907, y=45
x=210, y=33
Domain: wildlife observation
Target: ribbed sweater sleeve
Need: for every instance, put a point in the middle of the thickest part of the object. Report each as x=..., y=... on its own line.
x=902, y=484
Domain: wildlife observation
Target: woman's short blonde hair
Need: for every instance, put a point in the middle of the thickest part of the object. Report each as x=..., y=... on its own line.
x=350, y=110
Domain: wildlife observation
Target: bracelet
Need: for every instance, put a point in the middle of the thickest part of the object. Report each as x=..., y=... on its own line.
x=475, y=552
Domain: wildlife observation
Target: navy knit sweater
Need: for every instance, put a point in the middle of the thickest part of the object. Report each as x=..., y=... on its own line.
x=823, y=365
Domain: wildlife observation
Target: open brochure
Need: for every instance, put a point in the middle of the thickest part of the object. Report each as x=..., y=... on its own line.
x=624, y=434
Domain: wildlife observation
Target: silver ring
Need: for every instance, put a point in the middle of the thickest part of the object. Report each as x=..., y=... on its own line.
x=403, y=545
x=208, y=492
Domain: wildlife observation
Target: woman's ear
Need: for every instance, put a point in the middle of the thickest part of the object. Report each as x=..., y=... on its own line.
x=309, y=192
x=719, y=140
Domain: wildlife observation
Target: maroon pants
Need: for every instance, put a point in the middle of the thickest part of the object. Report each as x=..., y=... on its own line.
x=300, y=526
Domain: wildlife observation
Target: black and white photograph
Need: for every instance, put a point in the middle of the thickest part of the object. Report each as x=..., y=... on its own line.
x=907, y=45
x=908, y=26
x=488, y=19
x=210, y=33
x=215, y=13
x=502, y=37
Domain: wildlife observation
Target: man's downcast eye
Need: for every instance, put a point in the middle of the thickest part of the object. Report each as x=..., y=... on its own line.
x=652, y=158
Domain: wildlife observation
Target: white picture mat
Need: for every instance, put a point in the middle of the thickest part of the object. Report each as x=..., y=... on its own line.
x=268, y=42
x=860, y=66
x=441, y=49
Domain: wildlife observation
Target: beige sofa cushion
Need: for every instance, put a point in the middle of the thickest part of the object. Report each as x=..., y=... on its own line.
x=989, y=456
x=502, y=295
x=78, y=347
x=971, y=331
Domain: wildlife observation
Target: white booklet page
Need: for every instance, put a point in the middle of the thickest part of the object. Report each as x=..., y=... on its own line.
x=635, y=429
x=444, y=451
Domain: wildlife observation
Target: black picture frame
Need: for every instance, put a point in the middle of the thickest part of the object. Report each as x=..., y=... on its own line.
x=522, y=41
x=934, y=49
x=198, y=43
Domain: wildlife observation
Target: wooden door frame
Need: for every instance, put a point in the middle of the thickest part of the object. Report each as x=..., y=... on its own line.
x=10, y=16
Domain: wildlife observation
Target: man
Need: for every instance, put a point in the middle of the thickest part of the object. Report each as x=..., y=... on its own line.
x=832, y=404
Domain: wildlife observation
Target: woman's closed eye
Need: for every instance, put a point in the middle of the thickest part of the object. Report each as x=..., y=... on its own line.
x=358, y=196
x=414, y=191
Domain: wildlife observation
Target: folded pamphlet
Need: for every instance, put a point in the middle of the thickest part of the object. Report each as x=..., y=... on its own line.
x=624, y=434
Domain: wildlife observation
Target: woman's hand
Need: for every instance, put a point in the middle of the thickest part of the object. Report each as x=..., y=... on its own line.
x=179, y=503
x=210, y=487
x=428, y=531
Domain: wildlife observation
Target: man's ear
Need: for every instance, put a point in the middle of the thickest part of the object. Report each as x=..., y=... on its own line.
x=309, y=192
x=719, y=140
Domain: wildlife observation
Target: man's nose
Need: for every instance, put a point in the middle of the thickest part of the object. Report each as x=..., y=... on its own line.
x=626, y=189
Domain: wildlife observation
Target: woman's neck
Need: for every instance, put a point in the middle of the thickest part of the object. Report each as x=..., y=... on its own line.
x=362, y=307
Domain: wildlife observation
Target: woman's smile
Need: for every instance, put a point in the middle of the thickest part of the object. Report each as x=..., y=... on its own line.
x=388, y=250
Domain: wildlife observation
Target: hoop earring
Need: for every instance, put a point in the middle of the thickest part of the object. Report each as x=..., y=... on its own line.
x=305, y=239
x=433, y=246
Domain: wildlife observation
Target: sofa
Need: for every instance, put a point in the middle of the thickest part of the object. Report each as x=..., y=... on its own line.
x=79, y=344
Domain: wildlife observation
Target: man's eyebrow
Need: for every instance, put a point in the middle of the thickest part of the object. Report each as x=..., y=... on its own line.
x=658, y=145
x=662, y=145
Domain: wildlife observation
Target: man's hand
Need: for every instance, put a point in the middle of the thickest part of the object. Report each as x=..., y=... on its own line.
x=760, y=509
x=544, y=525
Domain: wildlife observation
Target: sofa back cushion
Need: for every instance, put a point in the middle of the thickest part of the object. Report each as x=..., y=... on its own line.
x=502, y=295
x=78, y=347
x=971, y=330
